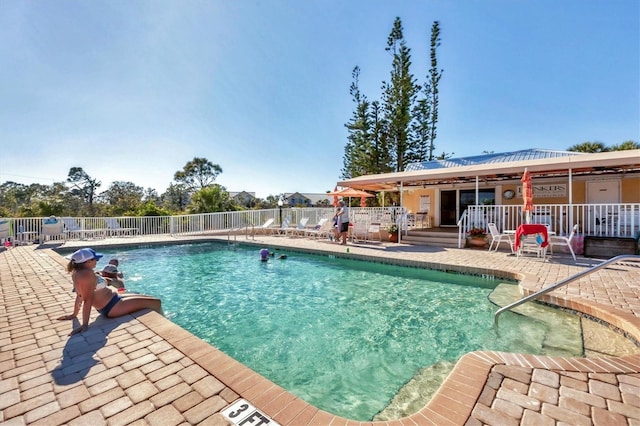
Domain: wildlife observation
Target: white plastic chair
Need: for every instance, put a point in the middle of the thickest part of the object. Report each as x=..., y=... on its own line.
x=114, y=228
x=286, y=222
x=497, y=238
x=374, y=228
x=52, y=227
x=359, y=231
x=5, y=230
x=557, y=240
x=298, y=230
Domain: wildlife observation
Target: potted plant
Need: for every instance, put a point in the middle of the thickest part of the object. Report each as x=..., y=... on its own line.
x=476, y=237
x=393, y=232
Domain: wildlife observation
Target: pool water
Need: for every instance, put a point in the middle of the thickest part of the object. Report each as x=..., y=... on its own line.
x=343, y=335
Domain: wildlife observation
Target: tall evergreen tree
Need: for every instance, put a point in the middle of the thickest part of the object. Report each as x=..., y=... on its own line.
x=433, y=92
x=358, y=146
x=398, y=97
x=381, y=161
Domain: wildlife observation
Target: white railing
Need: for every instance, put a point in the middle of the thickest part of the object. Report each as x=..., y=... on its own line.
x=612, y=220
x=607, y=220
x=29, y=230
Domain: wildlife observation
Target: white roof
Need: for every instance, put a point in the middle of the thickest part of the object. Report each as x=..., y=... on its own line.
x=580, y=163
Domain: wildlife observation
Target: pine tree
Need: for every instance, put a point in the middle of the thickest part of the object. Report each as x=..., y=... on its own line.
x=358, y=147
x=398, y=97
x=433, y=92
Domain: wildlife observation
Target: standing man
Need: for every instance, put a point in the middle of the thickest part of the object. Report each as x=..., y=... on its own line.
x=343, y=222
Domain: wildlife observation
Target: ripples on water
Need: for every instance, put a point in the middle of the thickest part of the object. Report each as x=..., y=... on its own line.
x=343, y=335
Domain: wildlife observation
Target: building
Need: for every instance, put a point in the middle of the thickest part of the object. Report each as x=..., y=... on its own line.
x=594, y=189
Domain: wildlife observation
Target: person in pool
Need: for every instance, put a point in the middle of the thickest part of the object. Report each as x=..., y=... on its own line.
x=91, y=293
x=265, y=254
x=111, y=274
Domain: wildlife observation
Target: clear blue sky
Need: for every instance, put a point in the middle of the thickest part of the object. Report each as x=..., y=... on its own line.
x=133, y=90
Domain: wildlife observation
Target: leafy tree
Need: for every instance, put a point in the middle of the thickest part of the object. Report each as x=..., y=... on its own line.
x=151, y=194
x=123, y=198
x=197, y=174
x=213, y=198
x=589, y=147
x=624, y=146
x=601, y=147
x=175, y=198
x=83, y=186
x=149, y=208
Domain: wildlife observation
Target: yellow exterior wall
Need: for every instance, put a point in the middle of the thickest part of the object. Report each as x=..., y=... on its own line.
x=629, y=193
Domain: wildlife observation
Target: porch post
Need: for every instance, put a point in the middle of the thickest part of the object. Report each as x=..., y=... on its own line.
x=477, y=190
x=401, y=218
x=570, y=224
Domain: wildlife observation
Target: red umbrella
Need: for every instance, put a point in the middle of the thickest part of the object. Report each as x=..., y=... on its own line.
x=527, y=194
x=363, y=201
x=335, y=197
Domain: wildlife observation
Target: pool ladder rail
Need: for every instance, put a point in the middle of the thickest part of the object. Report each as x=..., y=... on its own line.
x=564, y=282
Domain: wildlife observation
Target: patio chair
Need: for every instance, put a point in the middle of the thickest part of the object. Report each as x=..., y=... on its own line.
x=557, y=240
x=324, y=228
x=359, y=231
x=52, y=227
x=286, y=222
x=114, y=228
x=5, y=230
x=299, y=229
x=266, y=226
x=73, y=229
x=497, y=238
x=374, y=228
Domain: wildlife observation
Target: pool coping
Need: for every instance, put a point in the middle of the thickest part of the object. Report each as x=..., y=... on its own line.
x=458, y=400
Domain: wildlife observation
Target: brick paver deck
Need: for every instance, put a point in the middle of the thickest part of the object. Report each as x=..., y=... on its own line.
x=143, y=369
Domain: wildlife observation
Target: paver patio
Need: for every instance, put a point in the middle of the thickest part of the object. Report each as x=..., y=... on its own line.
x=143, y=369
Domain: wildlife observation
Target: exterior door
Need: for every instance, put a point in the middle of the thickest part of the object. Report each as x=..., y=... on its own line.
x=603, y=192
x=448, y=208
x=602, y=218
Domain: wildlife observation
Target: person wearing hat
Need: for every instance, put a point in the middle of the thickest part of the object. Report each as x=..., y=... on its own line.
x=92, y=294
x=110, y=273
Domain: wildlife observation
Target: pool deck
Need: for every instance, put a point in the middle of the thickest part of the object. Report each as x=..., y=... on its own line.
x=142, y=369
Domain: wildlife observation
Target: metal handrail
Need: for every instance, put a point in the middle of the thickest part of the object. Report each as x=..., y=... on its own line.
x=564, y=282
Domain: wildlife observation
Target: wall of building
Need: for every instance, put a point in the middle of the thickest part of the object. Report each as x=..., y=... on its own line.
x=546, y=191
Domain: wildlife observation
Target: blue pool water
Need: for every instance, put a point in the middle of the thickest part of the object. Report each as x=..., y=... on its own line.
x=343, y=335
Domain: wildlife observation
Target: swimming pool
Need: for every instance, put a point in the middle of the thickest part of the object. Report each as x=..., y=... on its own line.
x=343, y=335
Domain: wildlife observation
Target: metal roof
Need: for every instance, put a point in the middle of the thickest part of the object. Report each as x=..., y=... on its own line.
x=503, y=167
x=501, y=157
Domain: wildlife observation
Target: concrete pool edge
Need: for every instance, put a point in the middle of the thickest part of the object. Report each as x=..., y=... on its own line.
x=456, y=392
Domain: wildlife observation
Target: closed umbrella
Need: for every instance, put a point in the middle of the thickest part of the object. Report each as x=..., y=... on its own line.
x=527, y=195
x=363, y=201
x=351, y=193
x=335, y=197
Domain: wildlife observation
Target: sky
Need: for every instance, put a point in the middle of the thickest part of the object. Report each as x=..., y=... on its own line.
x=133, y=90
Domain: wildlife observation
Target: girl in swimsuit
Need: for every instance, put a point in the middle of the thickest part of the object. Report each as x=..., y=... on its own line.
x=102, y=297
